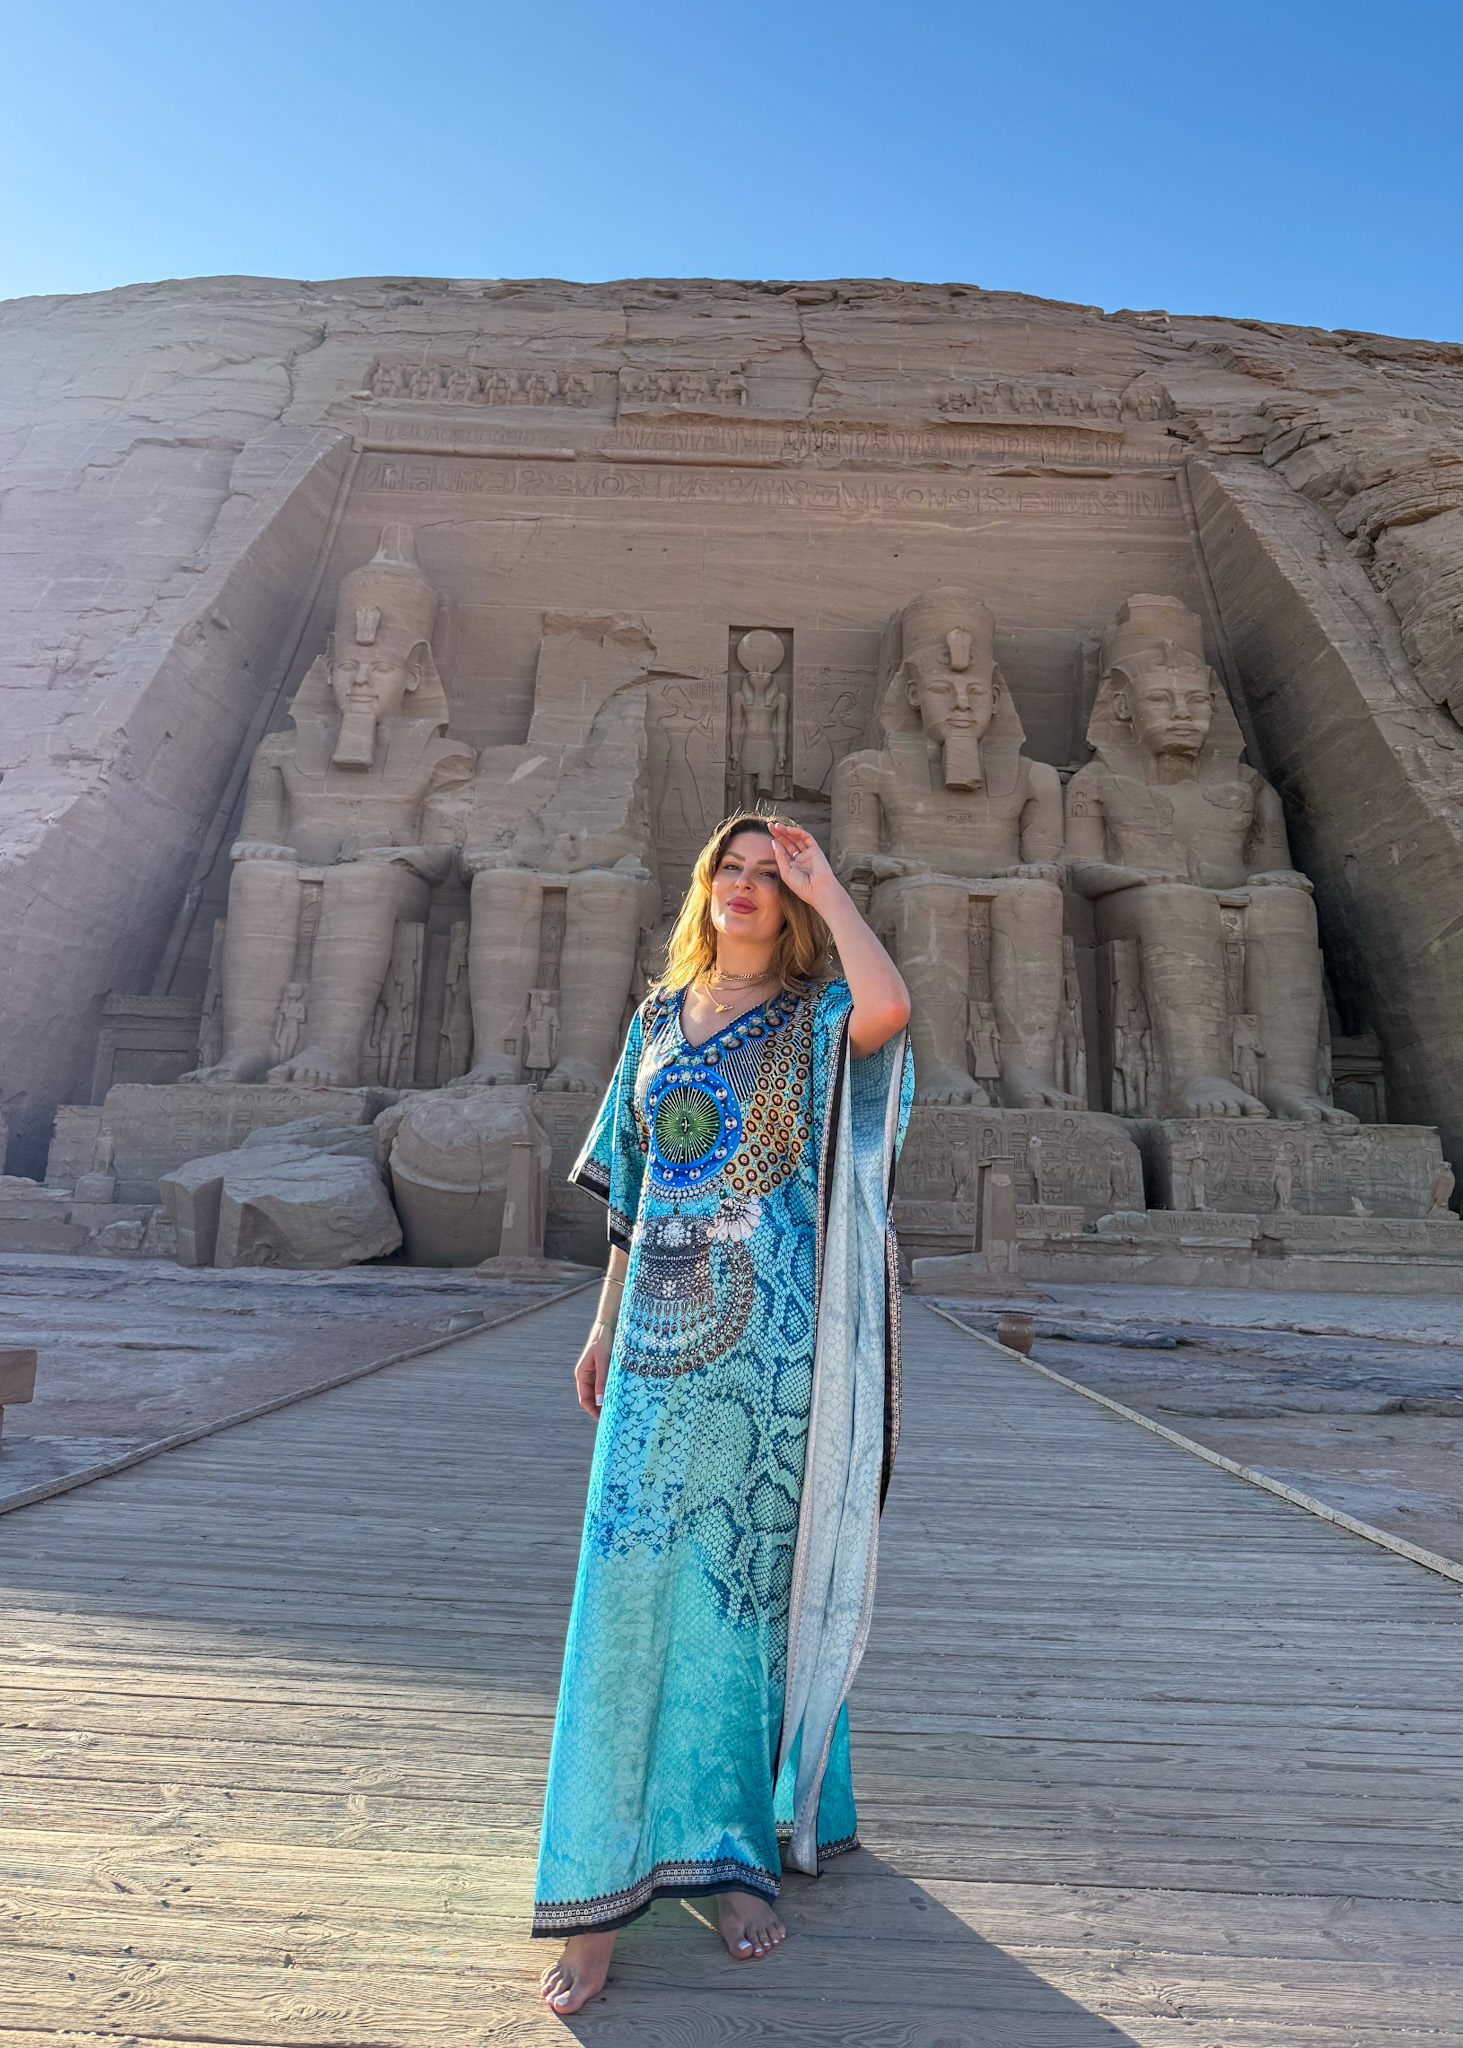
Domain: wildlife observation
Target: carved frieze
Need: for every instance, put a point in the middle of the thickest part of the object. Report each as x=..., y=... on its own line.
x=1057, y=397
x=438, y=381
x=694, y=389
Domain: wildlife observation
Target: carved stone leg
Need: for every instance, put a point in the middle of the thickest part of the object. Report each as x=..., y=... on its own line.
x=258, y=957
x=1283, y=990
x=502, y=966
x=600, y=933
x=927, y=923
x=1182, y=940
x=1026, y=988
x=358, y=913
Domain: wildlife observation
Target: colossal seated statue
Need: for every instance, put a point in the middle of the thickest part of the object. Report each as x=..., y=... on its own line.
x=959, y=836
x=558, y=849
x=1213, y=972
x=354, y=801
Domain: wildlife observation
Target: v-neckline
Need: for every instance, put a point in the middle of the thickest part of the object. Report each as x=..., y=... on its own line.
x=758, y=1010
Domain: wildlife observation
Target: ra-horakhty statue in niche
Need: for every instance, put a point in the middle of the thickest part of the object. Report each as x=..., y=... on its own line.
x=347, y=800
x=1182, y=847
x=960, y=837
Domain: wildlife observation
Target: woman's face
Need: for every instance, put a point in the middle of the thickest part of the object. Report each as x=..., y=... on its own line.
x=746, y=892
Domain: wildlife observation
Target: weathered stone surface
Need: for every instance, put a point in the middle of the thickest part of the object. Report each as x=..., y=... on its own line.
x=155, y=1130
x=449, y=1156
x=1244, y=1164
x=685, y=544
x=306, y=1195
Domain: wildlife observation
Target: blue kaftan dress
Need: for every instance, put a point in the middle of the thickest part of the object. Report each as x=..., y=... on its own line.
x=726, y=1576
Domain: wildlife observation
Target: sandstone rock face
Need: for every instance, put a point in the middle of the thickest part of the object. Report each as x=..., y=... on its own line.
x=675, y=545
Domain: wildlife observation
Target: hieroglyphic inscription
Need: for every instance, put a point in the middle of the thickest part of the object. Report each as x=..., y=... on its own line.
x=488, y=476
x=1084, y=1158
x=1386, y=1167
x=876, y=443
x=829, y=718
x=687, y=730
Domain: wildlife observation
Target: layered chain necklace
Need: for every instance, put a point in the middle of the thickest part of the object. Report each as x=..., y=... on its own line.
x=732, y=982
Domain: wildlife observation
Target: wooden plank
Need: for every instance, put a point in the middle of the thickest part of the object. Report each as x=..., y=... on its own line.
x=1143, y=1756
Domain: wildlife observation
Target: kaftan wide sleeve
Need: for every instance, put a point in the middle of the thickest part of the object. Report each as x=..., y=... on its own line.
x=611, y=1166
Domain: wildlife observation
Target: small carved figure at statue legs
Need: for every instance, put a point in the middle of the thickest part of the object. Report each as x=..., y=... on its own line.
x=358, y=914
x=258, y=960
x=1283, y=988
x=601, y=929
x=503, y=951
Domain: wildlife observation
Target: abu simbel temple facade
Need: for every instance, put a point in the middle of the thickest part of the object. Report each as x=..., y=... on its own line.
x=377, y=655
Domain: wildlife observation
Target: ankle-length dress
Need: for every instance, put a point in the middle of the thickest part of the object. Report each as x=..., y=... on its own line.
x=726, y=1575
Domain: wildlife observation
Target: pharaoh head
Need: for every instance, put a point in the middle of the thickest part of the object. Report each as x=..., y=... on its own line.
x=949, y=673
x=1161, y=686
x=380, y=654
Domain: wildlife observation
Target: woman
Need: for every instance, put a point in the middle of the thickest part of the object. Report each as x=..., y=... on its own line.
x=745, y=1150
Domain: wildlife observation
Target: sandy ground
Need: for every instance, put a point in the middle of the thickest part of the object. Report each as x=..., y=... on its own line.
x=134, y=1354
x=1354, y=1399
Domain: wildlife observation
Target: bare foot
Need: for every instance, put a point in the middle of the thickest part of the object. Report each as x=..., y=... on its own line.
x=497, y=1071
x=1021, y=1089
x=1302, y=1105
x=314, y=1068
x=239, y=1066
x=573, y=1077
x=941, y=1083
x=748, y=1925
x=579, y=1973
x=1210, y=1096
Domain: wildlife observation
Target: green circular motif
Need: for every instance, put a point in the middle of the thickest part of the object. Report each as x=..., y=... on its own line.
x=686, y=1125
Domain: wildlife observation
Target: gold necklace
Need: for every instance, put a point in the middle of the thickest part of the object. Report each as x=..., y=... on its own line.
x=735, y=980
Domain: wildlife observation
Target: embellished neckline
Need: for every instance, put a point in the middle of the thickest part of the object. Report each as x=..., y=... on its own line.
x=758, y=1022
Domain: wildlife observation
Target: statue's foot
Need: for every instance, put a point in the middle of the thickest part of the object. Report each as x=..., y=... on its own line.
x=573, y=1077
x=238, y=1066
x=315, y=1068
x=498, y=1070
x=1209, y=1096
x=945, y=1084
x=1301, y=1105
x=579, y=1974
x=748, y=1925
x=1021, y=1090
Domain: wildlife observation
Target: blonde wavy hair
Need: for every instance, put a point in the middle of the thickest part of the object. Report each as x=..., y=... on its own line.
x=800, y=956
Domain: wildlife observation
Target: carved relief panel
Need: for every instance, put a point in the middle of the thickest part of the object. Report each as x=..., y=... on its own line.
x=686, y=722
x=759, y=717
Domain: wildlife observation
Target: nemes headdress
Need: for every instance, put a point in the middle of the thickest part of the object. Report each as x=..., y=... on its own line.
x=949, y=621
x=386, y=608
x=1146, y=630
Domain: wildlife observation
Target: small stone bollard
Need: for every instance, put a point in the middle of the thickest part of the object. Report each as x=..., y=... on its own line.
x=1016, y=1331
x=17, y=1379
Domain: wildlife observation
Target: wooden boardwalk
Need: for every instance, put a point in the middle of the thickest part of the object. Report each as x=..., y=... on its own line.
x=1144, y=1756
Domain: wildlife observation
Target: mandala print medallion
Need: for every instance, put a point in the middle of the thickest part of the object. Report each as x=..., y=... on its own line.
x=695, y=1124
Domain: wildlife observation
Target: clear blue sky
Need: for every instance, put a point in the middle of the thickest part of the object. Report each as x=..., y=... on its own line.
x=1288, y=161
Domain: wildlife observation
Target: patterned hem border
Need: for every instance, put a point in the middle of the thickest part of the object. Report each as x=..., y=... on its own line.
x=666, y=1880
x=838, y=1848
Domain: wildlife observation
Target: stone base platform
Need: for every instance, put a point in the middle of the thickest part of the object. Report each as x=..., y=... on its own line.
x=155, y=1130
x=1258, y=1165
